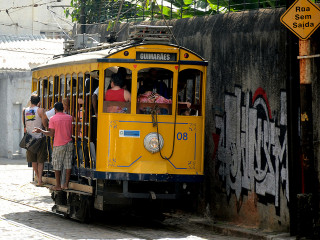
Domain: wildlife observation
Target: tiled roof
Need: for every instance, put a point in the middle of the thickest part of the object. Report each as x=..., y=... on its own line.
x=10, y=38
x=21, y=53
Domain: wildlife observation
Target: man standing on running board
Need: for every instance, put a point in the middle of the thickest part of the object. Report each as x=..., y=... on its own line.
x=60, y=127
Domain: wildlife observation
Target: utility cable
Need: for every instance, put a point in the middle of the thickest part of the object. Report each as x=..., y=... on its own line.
x=58, y=23
x=62, y=19
x=165, y=21
x=18, y=8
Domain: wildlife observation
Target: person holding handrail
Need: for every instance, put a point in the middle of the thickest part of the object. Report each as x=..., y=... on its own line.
x=60, y=127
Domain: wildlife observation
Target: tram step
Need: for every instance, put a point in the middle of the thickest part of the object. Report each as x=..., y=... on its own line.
x=81, y=188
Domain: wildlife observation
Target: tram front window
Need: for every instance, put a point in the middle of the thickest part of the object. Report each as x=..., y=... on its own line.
x=154, y=91
x=189, y=92
x=117, y=90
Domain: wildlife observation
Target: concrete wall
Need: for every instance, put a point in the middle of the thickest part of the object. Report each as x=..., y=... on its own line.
x=246, y=116
x=15, y=91
x=25, y=18
x=246, y=160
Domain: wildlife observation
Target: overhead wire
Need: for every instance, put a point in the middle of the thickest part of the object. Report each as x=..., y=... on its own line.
x=62, y=19
x=29, y=28
x=24, y=27
x=18, y=8
x=58, y=23
x=11, y=18
x=115, y=4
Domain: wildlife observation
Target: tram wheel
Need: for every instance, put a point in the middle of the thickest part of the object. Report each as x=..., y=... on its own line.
x=84, y=212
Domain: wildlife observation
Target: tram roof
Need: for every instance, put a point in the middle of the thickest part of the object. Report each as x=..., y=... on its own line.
x=92, y=55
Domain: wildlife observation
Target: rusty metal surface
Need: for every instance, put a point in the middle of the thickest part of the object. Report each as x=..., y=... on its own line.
x=305, y=71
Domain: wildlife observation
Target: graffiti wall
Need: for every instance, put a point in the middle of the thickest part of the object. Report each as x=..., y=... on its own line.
x=251, y=145
x=246, y=157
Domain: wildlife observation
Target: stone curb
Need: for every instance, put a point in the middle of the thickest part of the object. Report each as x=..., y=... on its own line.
x=228, y=229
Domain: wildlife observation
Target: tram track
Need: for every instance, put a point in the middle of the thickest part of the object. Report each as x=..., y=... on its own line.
x=134, y=226
x=50, y=236
x=20, y=225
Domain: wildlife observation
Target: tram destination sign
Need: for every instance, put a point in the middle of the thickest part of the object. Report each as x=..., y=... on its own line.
x=302, y=18
x=156, y=56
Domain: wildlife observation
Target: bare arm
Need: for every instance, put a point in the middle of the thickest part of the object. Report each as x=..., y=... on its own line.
x=24, y=121
x=49, y=133
x=95, y=104
x=127, y=96
x=43, y=117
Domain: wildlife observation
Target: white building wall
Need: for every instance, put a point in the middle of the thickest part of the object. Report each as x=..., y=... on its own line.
x=14, y=97
x=23, y=17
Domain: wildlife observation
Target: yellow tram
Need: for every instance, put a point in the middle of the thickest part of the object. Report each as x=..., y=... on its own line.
x=150, y=147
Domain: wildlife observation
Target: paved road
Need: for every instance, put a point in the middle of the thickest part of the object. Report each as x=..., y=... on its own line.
x=25, y=213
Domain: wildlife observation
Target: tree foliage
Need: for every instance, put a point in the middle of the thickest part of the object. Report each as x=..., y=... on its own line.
x=103, y=11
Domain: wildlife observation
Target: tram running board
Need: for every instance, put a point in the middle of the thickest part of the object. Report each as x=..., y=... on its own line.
x=80, y=188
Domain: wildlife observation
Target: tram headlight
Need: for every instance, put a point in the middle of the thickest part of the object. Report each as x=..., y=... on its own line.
x=151, y=142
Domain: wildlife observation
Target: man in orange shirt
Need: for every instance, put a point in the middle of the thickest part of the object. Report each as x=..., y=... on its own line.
x=60, y=127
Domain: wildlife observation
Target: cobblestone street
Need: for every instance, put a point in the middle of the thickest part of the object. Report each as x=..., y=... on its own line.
x=25, y=213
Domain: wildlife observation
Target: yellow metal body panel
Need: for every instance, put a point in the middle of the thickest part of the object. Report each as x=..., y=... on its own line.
x=127, y=154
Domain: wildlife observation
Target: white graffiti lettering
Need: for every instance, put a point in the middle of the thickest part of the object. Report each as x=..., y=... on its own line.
x=252, y=152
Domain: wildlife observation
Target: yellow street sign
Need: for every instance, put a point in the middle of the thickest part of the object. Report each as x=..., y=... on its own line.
x=302, y=18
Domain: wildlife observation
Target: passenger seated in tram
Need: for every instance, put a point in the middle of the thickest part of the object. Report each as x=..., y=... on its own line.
x=183, y=101
x=150, y=96
x=125, y=77
x=116, y=93
x=158, y=85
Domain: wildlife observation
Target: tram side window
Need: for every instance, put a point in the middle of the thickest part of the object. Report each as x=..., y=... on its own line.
x=117, y=92
x=68, y=101
x=62, y=84
x=45, y=93
x=56, y=89
x=189, y=92
x=40, y=90
x=155, y=91
x=51, y=96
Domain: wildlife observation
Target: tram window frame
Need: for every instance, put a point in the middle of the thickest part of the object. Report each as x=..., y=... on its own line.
x=73, y=102
x=39, y=89
x=144, y=79
x=45, y=96
x=35, y=84
x=192, y=85
x=116, y=106
x=50, y=93
x=62, y=84
x=80, y=103
x=56, y=88
x=68, y=91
